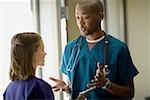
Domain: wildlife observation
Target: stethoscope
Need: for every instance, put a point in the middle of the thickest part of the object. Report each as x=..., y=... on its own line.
x=75, y=54
x=106, y=68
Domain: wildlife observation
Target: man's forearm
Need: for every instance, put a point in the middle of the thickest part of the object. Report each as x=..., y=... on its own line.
x=121, y=91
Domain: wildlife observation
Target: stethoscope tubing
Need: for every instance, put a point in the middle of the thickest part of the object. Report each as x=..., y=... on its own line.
x=106, y=69
x=78, y=45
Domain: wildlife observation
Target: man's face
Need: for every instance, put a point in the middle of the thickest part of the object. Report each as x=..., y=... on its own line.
x=87, y=20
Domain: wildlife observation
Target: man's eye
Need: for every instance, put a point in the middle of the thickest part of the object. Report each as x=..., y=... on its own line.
x=87, y=17
x=77, y=17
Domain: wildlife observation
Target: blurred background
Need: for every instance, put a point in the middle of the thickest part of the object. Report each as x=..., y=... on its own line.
x=127, y=20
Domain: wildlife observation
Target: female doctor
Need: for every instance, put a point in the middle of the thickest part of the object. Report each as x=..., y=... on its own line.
x=96, y=59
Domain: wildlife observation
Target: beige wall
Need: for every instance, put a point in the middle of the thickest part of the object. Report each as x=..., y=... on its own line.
x=149, y=44
x=138, y=42
x=114, y=11
x=71, y=22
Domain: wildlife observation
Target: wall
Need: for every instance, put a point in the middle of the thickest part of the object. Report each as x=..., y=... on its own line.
x=72, y=28
x=114, y=10
x=138, y=42
x=149, y=44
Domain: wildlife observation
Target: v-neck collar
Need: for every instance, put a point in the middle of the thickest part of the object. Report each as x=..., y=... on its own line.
x=95, y=45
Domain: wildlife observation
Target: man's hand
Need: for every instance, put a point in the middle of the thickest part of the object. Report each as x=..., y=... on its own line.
x=100, y=77
x=60, y=85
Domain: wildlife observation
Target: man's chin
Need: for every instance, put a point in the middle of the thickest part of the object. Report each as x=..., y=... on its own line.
x=85, y=34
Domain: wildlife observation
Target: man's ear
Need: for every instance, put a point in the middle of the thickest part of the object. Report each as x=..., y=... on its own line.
x=101, y=15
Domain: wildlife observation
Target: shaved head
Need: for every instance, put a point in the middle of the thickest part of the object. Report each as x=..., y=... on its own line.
x=89, y=14
x=90, y=5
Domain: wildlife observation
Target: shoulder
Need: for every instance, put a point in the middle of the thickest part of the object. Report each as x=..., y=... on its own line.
x=41, y=88
x=31, y=88
x=116, y=43
x=72, y=43
x=41, y=82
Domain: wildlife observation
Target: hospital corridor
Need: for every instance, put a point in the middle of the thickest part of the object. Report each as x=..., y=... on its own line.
x=56, y=21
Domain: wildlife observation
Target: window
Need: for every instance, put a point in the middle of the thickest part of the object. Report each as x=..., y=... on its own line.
x=15, y=16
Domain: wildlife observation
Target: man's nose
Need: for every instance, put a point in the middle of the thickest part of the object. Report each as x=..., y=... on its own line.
x=81, y=22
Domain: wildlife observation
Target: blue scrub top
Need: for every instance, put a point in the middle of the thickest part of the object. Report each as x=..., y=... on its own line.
x=33, y=89
x=119, y=59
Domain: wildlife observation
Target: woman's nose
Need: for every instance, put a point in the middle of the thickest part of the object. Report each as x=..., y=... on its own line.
x=45, y=53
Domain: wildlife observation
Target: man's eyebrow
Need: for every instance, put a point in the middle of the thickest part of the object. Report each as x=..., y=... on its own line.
x=82, y=13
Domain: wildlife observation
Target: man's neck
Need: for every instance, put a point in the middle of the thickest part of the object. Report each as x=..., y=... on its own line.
x=95, y=35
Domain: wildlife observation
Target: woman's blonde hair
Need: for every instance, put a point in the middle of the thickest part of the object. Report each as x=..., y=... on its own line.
x=23, y=47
